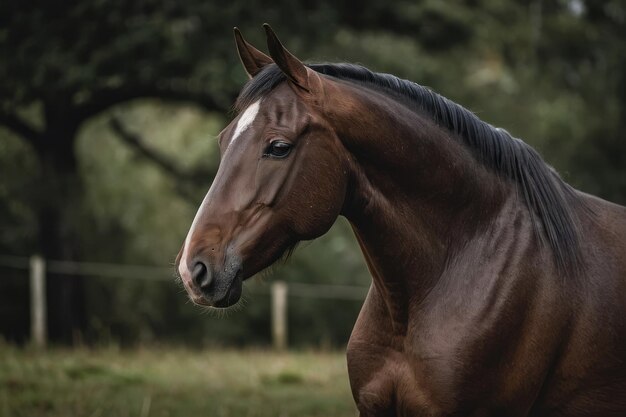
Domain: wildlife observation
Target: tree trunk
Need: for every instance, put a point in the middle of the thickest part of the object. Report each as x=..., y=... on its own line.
x=58, y=208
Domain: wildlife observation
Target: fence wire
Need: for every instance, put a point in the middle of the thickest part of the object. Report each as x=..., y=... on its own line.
x=156, y=273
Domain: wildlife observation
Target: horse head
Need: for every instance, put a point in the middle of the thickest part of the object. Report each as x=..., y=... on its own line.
x=282, y=179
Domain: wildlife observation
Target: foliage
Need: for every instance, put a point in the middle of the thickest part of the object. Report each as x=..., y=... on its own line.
x=551, y=72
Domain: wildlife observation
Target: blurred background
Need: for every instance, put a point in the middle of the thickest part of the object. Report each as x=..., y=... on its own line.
x=109, y=111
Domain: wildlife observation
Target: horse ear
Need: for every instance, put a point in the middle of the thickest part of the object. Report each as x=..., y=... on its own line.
x=252, y=59
x=295, y=70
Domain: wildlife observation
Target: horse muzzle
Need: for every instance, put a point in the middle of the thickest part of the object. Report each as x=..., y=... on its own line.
x=212, y=286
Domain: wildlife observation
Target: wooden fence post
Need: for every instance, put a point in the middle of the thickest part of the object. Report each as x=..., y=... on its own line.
x=279, y=315
x=38, y=320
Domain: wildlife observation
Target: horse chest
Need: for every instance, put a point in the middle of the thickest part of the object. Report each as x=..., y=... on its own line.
x=413, y=375
x=389, y=382
x=386, y=380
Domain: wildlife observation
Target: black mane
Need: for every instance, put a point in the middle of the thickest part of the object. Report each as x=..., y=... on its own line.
x=545, y=193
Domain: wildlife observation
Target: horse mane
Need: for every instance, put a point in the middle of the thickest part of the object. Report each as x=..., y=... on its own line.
x=548, y=197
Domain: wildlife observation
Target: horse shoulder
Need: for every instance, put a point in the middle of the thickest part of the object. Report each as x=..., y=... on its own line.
x=381, y=378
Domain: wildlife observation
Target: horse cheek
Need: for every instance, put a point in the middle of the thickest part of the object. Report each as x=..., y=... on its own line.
x=320, y=207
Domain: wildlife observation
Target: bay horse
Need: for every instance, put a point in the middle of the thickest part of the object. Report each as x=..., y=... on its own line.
x=497, y=289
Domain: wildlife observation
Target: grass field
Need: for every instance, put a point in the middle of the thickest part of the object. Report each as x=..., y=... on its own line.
x=173, y=382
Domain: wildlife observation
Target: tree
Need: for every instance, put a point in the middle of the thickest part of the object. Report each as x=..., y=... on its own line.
x=552, y=72
x=63, y=65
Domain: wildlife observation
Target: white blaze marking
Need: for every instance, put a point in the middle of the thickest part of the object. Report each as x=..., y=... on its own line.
x=246, y=120
x=184, y=269
x=243, y=123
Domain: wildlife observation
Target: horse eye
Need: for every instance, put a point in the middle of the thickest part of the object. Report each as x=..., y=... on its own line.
x=278, y=149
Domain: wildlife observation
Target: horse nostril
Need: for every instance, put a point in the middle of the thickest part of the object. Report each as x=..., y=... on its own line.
x=201, y=276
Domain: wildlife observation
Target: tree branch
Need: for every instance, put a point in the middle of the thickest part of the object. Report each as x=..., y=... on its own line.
x=198, y=176
x=19, y=127
x=102, y=100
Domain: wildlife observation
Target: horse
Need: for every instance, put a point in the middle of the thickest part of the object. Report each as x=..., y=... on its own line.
x=497, y=289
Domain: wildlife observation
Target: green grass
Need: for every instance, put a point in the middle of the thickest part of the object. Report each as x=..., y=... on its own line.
x=173, y=382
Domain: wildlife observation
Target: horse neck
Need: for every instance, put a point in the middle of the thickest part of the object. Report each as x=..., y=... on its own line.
x=417, y=195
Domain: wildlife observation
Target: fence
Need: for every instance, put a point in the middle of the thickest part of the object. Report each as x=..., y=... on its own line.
x=279, y=290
